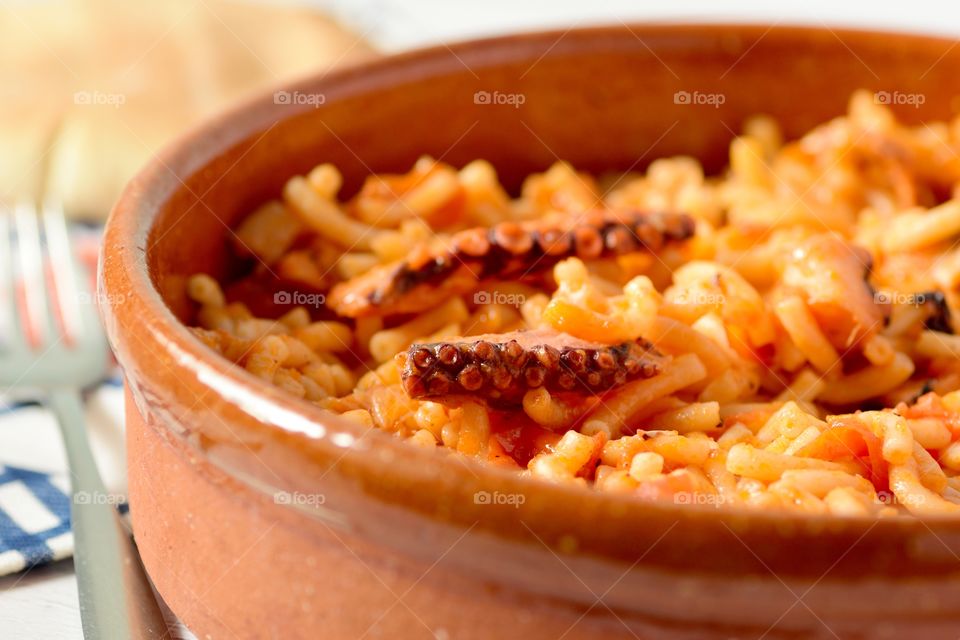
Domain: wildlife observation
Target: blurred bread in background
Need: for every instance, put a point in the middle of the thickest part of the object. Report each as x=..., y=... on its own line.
x=93, y=87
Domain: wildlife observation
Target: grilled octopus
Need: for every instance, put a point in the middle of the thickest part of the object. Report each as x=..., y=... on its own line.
x=833, y=277
x=508, y=250
x=501, y=368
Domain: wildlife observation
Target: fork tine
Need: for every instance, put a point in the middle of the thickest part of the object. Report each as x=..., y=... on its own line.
x=65, y=270
x=33, y=273
x=10, y=330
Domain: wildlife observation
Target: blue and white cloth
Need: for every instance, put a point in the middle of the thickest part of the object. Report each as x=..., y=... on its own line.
x=34, y=519
x=34, y=480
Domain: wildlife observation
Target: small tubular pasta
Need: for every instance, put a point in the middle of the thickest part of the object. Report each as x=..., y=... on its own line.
x=918, y=228
x=646, y=465
x=547, y=411
x=675, y=337
x=268, y=232
x=734, y=435
x=930, y=433
x=205, y=290
x=611, y=416
x=928, y=470
x=323, y=216
x=580, y=310
x=868, y=382
x=913, y=495
x=266, y=356
x=778, y=336
x=750, y=462
x=697, y=416
x=570, y=455
x=821, y=482
x=802, y=328
x=474, y=429
x=325, y=336
x=805, y=386
x=950, y=456
x=683, y=450
x=935, y=344
x=387, y=343
x=847, y=501
x=896, y=435
x=790, y=421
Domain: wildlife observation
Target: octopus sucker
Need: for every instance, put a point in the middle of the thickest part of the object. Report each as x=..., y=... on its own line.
x=509, y=250
x=501, y=368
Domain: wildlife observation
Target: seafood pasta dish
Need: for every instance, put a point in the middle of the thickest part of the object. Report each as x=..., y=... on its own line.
x=777, y=336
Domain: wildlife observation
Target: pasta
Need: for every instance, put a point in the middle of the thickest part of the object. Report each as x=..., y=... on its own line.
x=778, y=336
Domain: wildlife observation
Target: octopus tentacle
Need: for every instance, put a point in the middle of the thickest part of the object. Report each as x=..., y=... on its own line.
x=506, y=250
x=501, y=368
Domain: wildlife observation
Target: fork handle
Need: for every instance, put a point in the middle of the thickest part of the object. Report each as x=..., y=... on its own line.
x=116, y=600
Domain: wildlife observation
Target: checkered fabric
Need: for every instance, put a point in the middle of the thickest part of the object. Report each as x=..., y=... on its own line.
x=34, y=519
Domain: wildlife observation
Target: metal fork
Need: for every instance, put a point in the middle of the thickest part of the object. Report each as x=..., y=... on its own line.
x=57, y=355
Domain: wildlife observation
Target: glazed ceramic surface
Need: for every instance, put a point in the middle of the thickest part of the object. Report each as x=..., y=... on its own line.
x=260, y=516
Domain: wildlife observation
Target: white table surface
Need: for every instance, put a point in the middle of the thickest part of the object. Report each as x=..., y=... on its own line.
x=42, y=604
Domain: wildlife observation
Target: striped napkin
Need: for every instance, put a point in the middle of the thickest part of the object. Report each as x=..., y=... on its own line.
x=35, y=482
x=34, y=519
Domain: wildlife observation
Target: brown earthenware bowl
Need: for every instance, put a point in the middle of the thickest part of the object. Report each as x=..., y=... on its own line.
x=260, y=516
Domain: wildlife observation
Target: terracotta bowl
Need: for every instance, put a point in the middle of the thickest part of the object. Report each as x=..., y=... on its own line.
x=260, y=516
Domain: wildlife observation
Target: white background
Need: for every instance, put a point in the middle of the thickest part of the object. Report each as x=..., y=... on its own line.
x=398, y=24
